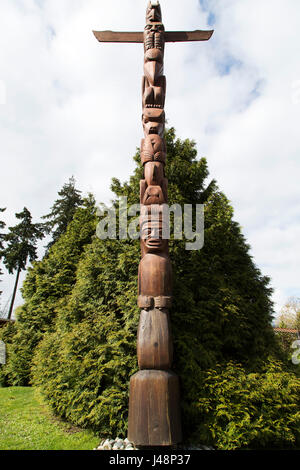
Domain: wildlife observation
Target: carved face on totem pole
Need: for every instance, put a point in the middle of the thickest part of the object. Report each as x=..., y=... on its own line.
x=153, y=13
x=154, y=41
x=153, y=148
x=154, y=188
x=154, y=93
x=154, y=37
x=154, y=121
x=152, y=235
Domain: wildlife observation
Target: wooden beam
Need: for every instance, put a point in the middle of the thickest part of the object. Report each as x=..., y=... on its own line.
x=136, y=37
x=180, y=36
x=111, y=36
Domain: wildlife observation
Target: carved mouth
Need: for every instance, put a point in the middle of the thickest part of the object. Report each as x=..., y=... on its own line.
x=159, y=106
x=152, y=243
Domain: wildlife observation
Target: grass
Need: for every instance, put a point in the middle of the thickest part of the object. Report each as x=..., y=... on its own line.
x=26, y=423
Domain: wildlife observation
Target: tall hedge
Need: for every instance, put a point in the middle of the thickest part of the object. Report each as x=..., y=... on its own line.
x=47, y=285
x=222, y=309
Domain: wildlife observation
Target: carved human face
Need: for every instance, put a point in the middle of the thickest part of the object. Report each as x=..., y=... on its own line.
x=152, y=237
x=154, y=36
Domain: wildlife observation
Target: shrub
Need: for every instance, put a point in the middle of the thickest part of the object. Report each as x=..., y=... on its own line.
x=222, y=309
x=240, y=409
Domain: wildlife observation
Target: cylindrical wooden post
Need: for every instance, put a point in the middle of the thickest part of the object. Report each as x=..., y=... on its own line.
x=154, y=412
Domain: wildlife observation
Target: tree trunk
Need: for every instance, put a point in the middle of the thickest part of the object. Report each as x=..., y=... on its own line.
x=14, y=295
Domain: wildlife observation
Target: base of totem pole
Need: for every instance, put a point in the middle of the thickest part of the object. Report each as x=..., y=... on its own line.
x=154, y=414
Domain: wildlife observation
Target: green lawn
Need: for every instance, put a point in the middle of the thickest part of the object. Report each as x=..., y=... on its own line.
x=27, y=424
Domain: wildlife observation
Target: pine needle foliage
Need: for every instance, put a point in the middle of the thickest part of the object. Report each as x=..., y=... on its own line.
x=47, y=285
x=63, y=210
x=249, y=410
x=85, y=316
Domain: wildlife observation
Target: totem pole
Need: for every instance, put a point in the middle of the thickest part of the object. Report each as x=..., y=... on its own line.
x=154, y=404
x=154, y=413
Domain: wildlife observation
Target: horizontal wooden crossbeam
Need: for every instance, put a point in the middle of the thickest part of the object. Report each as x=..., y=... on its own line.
x=136, y=37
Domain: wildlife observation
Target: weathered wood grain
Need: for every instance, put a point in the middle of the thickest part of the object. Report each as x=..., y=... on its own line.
x=138, y=37
x=154, y=342
x=155, y=276
x=154, y=415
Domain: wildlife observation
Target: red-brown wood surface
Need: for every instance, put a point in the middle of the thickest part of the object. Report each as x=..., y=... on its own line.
x=154, y=343
x=154, y=414
x=138, y=37
x=111, y=36
x=179, y=36
x=154, y=411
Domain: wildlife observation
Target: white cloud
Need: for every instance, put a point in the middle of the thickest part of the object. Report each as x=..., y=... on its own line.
x=73, y=106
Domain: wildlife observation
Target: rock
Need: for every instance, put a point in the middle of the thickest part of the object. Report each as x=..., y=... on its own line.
x=116, y=444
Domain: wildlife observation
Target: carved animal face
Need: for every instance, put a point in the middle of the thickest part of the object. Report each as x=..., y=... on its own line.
x=153, y=148
x=154, y=121
x=153, y=13
x=154, y=173
x=154, y=74
x=154, y=91
x=153, y=195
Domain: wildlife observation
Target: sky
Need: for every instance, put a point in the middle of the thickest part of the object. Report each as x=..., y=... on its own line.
x=71, y=106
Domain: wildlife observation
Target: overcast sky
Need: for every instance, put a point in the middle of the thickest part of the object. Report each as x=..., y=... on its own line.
x=70, y=106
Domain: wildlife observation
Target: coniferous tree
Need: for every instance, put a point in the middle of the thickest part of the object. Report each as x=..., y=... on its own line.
x=63, y=210
x=81, y=304
x=48, y=284
x=222, y=309
x=21, y=247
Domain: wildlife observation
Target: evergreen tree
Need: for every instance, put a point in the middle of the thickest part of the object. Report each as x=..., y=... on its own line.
x=21, y=247
x=2, y=236
x=63, y=210
x=48, y=284
x=76, y=333
x=222, y=308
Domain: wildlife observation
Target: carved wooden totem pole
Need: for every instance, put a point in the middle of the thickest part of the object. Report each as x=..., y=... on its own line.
x=154, y=410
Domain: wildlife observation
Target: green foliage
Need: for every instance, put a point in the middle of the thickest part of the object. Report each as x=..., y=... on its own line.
x=238, y=409
x=80, y=315
x=286, y=340
x=47, y=286
x=222, y=309
x=63, y=210
x=21, y=242
x=84, y=367
x=7, y=334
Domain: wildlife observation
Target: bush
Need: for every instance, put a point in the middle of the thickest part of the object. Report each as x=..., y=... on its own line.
x=81, y=305
x=7, y=334
x=47, y=285
x=238, y=409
